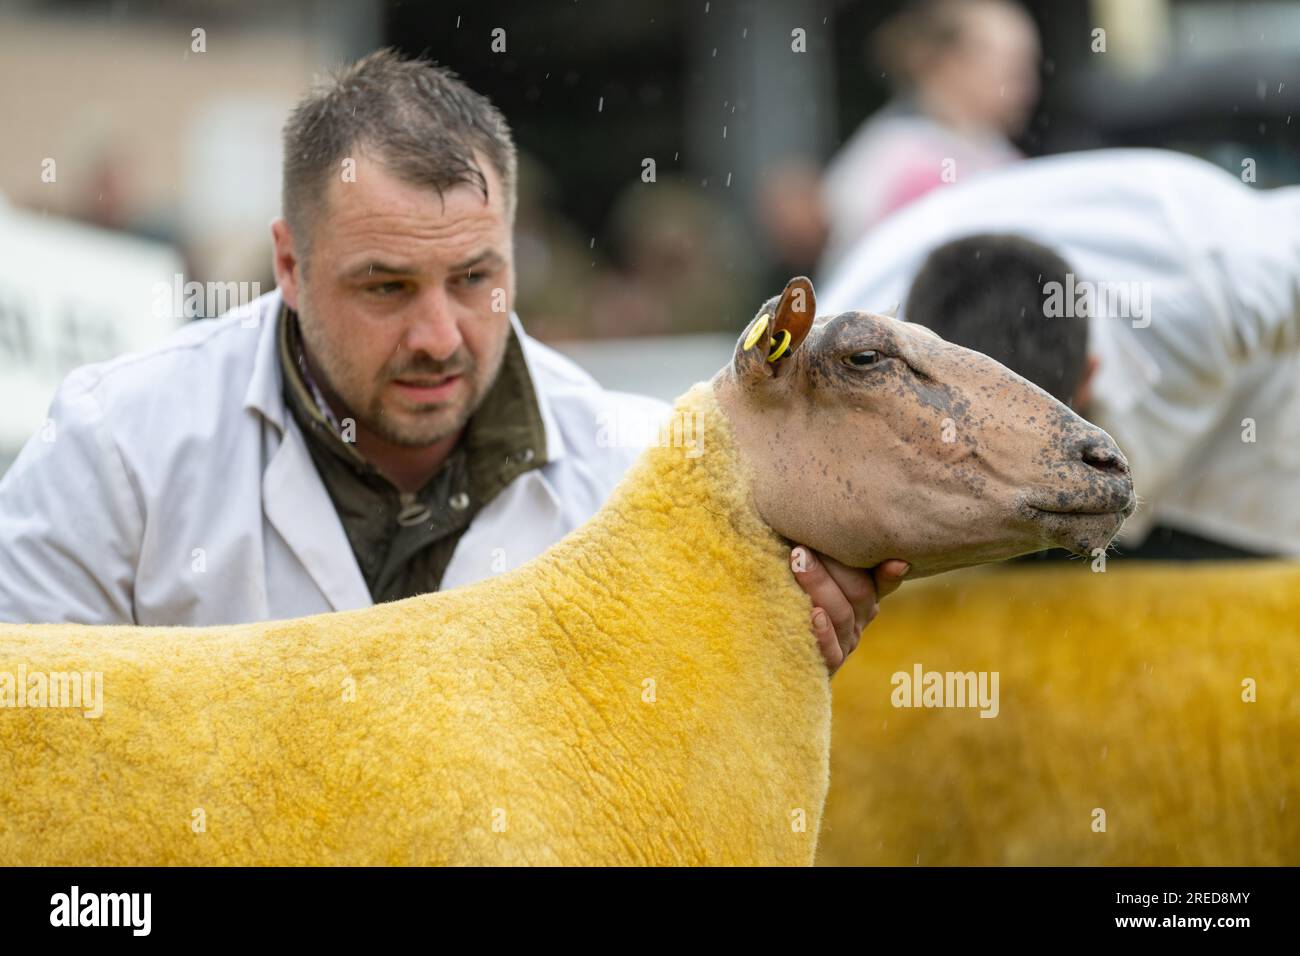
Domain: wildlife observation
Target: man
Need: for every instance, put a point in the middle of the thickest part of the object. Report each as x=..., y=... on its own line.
x=1182, y=282
x=379, y=426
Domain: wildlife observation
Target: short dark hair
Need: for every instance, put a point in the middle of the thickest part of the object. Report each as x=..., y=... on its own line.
x=986, y=292
x=416, y=118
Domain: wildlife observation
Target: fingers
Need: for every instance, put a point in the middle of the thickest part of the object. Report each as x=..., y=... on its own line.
x=845, y=600
x=826, y=581
x=844, y=596
x=827, y=641
x=857, y=586
x=888, y=576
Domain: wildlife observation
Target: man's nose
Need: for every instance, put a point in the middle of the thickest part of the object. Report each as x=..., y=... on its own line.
x=432, y=327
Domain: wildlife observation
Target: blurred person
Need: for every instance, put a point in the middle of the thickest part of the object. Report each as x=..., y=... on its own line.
x=1156, y=294
x=378, y=427
x=107, y=195
x=552, y=262
x=107, y=199
x=965, y=78
x=684, y=265
x=791, y=214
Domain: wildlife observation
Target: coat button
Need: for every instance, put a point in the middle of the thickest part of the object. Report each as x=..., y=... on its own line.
x=459, y=501
x=525, y=456
x=413, y=512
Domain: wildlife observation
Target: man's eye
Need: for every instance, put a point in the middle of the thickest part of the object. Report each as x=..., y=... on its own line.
x=473, y=278
x=860, y=359
x=386, y=288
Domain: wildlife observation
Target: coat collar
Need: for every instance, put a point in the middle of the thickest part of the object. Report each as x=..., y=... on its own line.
x=264, y=394
x=555, y=449
x=294, y=498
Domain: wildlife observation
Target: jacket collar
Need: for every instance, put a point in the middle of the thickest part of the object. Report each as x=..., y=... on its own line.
x=295, y=500
x=555, y=448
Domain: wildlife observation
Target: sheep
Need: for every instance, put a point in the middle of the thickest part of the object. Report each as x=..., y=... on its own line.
x=1148, y=717
x=644, y=692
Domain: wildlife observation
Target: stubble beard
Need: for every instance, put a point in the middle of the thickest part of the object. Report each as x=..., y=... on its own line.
x=417, y=427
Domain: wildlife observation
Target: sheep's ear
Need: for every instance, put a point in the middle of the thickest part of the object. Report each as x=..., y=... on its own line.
x=765, y=343
x=795, y=312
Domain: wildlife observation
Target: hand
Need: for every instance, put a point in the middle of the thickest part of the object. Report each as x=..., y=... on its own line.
x=845, y=600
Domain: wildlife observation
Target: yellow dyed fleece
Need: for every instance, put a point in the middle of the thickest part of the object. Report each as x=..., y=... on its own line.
x=645, y=692
x=1148, y=716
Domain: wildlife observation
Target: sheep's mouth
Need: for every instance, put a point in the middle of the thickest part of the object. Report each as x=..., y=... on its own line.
x=1083, y=532
x=1124, y=509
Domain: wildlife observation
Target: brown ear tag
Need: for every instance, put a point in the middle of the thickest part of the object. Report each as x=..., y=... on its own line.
x=794, y=318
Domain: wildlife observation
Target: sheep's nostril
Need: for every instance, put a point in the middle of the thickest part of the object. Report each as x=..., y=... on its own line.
x=1104, y=457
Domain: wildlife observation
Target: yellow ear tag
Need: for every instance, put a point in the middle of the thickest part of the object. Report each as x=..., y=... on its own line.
x=779, y=350
x=759, y=327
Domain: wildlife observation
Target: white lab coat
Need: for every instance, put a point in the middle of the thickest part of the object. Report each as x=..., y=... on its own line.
x=174, y=487
x=1219, y=358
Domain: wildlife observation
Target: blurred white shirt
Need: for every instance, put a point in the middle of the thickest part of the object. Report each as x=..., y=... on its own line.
x=1183, y=389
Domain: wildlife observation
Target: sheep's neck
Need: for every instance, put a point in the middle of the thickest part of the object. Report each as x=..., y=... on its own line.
x=670, y=659
x=682, y=522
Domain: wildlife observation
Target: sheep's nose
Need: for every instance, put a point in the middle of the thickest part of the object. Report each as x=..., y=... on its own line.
x=1103, y=454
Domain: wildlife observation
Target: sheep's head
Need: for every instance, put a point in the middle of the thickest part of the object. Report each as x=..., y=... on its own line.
x=872, y=438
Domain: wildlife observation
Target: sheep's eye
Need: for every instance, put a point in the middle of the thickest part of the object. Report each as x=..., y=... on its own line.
x=860, y=359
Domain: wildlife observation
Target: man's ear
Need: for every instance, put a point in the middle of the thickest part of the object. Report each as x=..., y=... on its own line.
x=285, y=262
x=776, y=332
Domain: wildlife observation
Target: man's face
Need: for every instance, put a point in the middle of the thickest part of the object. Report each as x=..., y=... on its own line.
x=397, y=301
